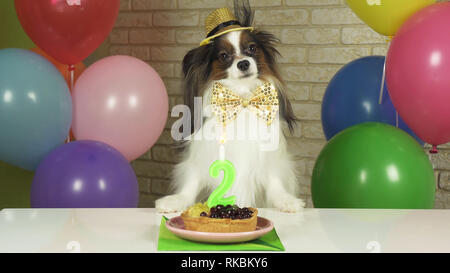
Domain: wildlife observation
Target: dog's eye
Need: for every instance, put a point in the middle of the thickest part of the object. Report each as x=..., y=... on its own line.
x=224, y=56
x=252, y=49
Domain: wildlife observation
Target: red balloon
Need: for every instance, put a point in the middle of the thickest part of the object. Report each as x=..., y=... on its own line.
x=417, y=73
x=67, y=30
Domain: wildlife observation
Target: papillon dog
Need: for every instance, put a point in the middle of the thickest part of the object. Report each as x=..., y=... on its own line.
x=237, y=58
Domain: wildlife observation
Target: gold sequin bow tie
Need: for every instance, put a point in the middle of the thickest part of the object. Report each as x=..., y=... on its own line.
x=226, y=105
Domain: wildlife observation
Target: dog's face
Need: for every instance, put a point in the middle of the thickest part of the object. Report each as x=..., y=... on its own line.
x=238, y=56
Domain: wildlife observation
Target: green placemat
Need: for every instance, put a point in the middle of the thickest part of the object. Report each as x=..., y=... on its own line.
x=168, y=241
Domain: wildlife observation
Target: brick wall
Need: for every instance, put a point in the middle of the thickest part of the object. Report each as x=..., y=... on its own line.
x=317, y=38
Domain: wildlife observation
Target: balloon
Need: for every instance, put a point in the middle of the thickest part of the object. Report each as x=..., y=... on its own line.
x=11, y=32
x=68, y=30
x=63, y=68
x=352, y=97
x=417, y=73
x=15, y=185
x=121, y=101
x=35, y=108
x=373, y=165
x=84, y=174
x=386, y=16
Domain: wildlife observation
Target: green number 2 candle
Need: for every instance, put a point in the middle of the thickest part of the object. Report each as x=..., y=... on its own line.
x=229, y=174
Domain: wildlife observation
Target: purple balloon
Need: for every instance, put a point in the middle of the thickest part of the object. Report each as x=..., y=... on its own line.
x=84, y=174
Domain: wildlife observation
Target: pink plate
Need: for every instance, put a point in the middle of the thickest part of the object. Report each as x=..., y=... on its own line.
x=176, y=226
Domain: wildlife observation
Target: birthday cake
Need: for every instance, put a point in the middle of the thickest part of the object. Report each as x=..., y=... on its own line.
x=230, y=218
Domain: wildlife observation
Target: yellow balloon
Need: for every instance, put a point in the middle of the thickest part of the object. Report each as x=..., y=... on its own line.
x=386, y=16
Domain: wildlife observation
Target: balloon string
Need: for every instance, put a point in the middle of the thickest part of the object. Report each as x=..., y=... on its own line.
x=72, y=75
x=71, y=71
x=430, y=156
x=396, y=118
x=383, y=78
x=380, y=100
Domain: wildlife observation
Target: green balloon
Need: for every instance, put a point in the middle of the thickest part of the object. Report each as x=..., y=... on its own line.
x=15, y=186
x=373, y=165
x=11, y=31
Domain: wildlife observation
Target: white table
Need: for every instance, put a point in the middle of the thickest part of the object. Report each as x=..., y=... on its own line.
x=313, y=230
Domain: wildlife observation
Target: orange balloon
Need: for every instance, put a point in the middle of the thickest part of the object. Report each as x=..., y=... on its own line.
x=63, y=68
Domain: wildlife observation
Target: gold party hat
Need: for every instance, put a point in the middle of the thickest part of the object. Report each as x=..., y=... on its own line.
x=220, y=22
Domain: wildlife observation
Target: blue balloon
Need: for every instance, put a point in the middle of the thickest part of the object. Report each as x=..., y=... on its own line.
x=35, y=108
x=352, y=97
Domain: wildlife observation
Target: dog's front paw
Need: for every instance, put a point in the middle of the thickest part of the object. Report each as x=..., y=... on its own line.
x=289, y=203
x=172, y=203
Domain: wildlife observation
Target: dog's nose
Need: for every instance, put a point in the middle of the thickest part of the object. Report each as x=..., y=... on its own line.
x=243, y=65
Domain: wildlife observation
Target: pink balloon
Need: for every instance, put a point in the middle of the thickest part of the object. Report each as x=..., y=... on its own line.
x=121, y=101
x=418, y=73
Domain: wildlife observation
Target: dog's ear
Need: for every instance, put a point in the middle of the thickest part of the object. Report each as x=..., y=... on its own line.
x=196, y=59
x=267, y=42
x=196, y=69
x=285, y=109
x=244, y=12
